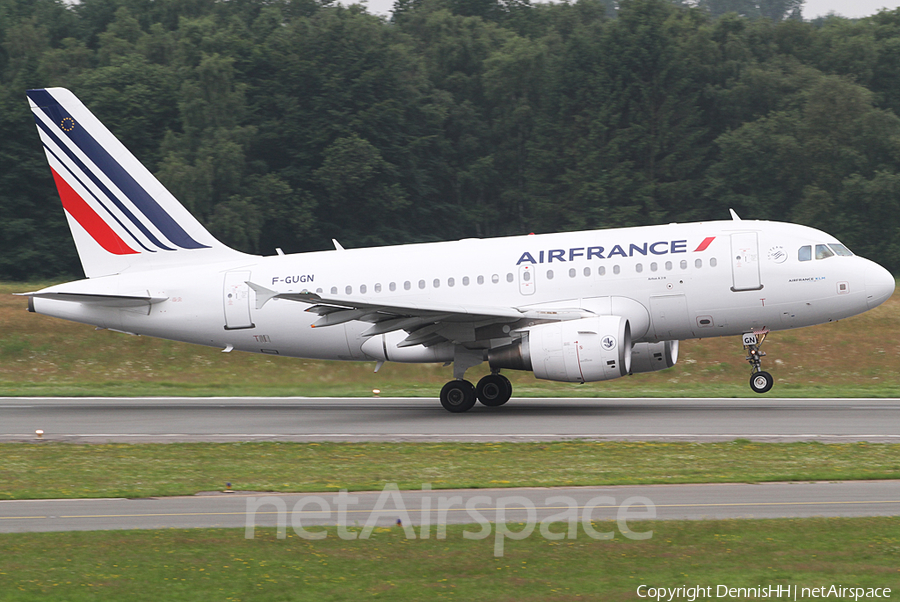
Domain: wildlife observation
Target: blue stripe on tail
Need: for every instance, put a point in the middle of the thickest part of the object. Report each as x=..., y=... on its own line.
x=116, y=173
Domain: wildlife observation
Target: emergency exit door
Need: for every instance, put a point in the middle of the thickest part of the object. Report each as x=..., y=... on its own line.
x=526, y=279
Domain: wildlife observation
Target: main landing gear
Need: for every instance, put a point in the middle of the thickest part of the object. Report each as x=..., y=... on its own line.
x=460, y=395
x=760, y=381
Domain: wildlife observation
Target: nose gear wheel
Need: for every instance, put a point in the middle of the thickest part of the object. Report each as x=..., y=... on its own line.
x=760, y=380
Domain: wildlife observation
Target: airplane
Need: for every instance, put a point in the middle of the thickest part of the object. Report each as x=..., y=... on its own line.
x=573, y=307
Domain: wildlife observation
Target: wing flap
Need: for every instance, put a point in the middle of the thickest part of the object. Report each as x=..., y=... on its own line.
x=447, y=312
x=427, y=323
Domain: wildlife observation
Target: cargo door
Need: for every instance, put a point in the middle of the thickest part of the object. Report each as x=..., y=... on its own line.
x=669, y=318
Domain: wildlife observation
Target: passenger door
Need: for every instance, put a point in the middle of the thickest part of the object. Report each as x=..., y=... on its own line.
x=236, y=298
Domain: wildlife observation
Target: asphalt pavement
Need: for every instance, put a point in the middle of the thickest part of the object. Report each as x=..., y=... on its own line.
x=631, y=504
x=92, y=420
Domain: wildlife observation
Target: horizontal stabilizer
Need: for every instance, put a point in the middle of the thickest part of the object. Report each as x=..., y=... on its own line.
x=103, y=300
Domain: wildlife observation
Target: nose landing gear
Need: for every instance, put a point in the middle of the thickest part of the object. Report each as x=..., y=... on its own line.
x=760, y=380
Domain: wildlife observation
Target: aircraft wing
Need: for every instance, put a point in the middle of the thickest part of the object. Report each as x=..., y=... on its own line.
x=428, y=323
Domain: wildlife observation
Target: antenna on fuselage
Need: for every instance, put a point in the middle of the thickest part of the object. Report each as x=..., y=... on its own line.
x=337, y=245
x=734, y=215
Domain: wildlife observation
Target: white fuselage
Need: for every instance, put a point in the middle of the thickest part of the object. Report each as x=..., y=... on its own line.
x=673, y=282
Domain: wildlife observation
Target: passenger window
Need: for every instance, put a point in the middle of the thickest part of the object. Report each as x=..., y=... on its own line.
x=421, y=284
x=601, y=271
x=465, y=281
x=823, y=252
x=378, y=288
x=318, y=291
x=587, y=271
x=333, y=290
x=571, y=272
x=683, y=264
x=549, y=274
x=481, y=280
x=698, y=263
x=713, y=262
x=349, y=290
x=639, y=268
x=495, y=278
x=437, y=283
x=805, y=253
x=616, y=269
x=668, y=266
x=653, y=267
x=526, y=276
x=451, y=282
x=362, y=289
x=407, y=285
x=841, y=250
x=509, y=277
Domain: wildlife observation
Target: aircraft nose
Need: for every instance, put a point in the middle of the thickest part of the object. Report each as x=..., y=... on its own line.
x=879, y=285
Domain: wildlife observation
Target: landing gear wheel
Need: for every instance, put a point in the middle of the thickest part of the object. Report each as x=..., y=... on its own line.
x=458, y=396
x=761, y=382
x=493, y=390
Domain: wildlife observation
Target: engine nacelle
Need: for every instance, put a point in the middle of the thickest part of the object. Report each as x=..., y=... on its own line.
x=585, y=350
x=650, y=357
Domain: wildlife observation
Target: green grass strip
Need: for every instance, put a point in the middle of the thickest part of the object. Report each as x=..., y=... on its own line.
x=61, y=470
x=220, y=564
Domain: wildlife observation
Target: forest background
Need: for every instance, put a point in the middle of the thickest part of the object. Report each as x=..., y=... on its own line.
x=286, y=123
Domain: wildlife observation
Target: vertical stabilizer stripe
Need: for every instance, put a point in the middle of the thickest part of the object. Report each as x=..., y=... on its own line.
x=123, y=180
x=112, y=215
x=92, y=223
x=99, y=184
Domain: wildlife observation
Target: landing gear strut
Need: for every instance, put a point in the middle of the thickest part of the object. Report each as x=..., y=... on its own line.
x=760, y=381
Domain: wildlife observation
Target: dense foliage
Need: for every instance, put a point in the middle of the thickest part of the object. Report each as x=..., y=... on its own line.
x=290, y=122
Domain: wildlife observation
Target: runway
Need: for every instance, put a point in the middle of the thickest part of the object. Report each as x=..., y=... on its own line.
x=632, y=503
x=91, y=420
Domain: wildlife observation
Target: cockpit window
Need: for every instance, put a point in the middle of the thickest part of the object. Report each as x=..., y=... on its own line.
x=805, y=253
x=841, y=250
x=823, y=252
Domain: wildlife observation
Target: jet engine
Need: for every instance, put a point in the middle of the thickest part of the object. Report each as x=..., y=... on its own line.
x=650, y=357
x=585, y=350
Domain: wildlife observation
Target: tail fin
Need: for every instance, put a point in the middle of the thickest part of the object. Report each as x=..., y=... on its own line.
x=121, y=216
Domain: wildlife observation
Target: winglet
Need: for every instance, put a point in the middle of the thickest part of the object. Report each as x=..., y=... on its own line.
x=734, y=215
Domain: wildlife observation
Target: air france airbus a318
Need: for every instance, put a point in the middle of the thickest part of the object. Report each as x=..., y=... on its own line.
x=572, y=307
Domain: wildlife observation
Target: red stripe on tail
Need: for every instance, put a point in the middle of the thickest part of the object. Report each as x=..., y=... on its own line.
x=706, y=242
x=89, y=220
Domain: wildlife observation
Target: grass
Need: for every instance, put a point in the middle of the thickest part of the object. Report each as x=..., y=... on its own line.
x=60, y=470
x=42, y=356
x=219, y=564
